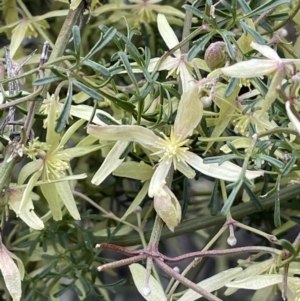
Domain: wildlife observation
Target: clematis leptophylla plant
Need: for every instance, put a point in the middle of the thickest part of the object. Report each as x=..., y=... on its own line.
x=171, y=151
x=177, y=64
x=274, y=65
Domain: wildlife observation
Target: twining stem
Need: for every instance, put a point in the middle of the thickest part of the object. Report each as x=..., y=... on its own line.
x=187, y=29
x=186, y=281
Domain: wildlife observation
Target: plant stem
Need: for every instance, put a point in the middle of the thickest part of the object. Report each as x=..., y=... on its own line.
x=195, y=224
x=186, y=281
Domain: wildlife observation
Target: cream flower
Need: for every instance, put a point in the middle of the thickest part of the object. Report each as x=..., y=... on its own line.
x=177, y=65
x=259, y=67
x=50, y=164
x=170, y=150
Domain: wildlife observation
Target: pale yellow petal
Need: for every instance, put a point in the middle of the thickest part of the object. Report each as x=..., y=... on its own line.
x=226, y=171
x=11, y=274
x=134, y=133
x=158, y=179
x=167, y=32
x=189, y=113
x=111, y=162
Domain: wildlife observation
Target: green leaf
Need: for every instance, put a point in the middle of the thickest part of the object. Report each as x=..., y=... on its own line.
x=272, y=160
x=229, y=47
x=125, y=105
x=214, y=199
x=254, y=199
x=265, y=7
x=289, y=166
x=47, y=80
x=233, y=82
x=196, y=12
x=128, y=68
x=97, y=67
x=76, y=40
x=108, y=36
x=245, y=7
x=89, y=91
x=247, y=29
x=106, y=119
x=231, y=198
x=288, y=246
x=199, y=45
x=65, y=113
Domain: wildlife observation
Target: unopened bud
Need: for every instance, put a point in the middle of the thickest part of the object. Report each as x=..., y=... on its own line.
x=215, y=55
x=146, y=290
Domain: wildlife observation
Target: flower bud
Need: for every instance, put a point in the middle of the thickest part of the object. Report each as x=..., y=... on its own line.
x=215, y=55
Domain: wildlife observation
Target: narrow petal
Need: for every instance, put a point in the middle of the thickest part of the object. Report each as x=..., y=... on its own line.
x=11, y=274
x=265, y=51
x=158, y=179
x=251, y=68
x=26, y=195
x=85, y=112
x=27, y=214
x=186, y=78
x=189, y=113
x=272, y=91
x=66, y=195
x=226, y=171
x=167, y=64
x=186, y=170
x=54, y=201
x=111, y=162
x=167, y=32
x=134, y=133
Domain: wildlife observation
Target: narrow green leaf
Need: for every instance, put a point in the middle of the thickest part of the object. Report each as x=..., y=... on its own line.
x=227, y=6
x=229, y=47
x=288, y=167
x=127, y=150
x=106, y=119
x=76, y=40
x=214, y=199
x=47, y=80
x=233, y=82
x=196, y=12
x=97, y=67
x=265, y=7
x=288, y=246
x=272, y=160
x=231, y=198
x=128, y=68
x=245, y=7
x=247, y=29
x=65, y=113
x=254, y=199
x=125, y=105
x=199, y=45
x=89, y=91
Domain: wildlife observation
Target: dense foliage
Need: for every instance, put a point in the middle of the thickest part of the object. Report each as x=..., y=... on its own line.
x=167, y=131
